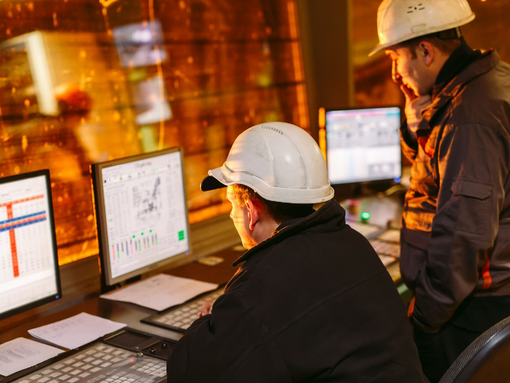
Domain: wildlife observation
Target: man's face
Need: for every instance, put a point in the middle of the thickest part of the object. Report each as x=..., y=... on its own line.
x=241, y=219
x=408, y=70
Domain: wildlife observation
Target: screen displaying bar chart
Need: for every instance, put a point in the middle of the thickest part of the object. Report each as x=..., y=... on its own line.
x=145, y=211
x=28, y=258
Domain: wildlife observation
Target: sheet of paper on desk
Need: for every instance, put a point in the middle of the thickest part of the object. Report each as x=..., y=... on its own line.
x=22, y=353
x=161, y=291
x=76, y=331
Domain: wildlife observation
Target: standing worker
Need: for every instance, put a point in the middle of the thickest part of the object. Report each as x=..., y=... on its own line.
x=311, y=301
x=455, y=236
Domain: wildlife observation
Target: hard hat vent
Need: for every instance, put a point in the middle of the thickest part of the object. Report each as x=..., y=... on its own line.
x=418, y=7
x=271, y=128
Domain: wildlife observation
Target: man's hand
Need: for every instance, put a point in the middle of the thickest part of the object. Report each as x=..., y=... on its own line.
x=414, y=106
x=205, y=310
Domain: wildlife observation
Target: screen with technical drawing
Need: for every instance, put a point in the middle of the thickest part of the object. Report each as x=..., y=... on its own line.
x=141, y=212
x=29, y=274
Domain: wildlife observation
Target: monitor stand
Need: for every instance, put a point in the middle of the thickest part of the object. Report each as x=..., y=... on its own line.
x=106, y=289
x=368, y=189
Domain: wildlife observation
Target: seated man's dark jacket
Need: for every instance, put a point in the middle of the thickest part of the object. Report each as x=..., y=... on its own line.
x=313, y=303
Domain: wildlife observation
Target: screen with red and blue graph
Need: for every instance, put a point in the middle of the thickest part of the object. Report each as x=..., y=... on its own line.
x=28, y=271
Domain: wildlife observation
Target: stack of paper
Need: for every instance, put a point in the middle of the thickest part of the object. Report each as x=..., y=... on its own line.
x=76, y=331
x=22, y=353
x=161, y=291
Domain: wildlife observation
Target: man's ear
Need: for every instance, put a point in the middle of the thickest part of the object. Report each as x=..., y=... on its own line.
x=426, y=52
x=254, y=212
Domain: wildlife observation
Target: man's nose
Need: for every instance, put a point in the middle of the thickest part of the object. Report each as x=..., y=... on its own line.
x=394, y=73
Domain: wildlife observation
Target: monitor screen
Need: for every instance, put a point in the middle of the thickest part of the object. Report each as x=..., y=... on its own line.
x=141, y=213
x=363, y=145
x=29, y=273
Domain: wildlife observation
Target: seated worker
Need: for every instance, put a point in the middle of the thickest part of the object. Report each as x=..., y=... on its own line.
x=311, y=301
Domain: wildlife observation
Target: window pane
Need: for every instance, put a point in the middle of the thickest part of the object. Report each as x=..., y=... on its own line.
x=84, y=81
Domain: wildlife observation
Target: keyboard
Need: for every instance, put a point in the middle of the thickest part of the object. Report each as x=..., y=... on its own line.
x=386, y=248
x=391, y=235
x=386, y=259
x=179, y=318
x=101, y=363
x=364, y=229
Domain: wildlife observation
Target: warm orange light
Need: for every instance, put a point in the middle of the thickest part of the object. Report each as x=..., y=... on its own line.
x=304, y=121
x=209, y=212
x=322, y=118
x=64, y=259
x=322, y=132
x=208, y=115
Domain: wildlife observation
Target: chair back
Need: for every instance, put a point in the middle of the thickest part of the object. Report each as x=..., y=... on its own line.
x=486, y=360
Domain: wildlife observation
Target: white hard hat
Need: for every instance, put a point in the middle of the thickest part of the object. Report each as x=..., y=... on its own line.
x=280, y=161
x=402, y=20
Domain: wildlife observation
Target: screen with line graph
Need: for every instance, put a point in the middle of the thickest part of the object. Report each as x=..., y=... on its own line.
x=29, y=274
x=141, y=213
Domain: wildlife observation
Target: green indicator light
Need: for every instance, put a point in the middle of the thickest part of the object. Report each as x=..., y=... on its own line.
x=365, y=215
x=142, y=233
x=181, y=235
x=133, y=236
x=150, y=231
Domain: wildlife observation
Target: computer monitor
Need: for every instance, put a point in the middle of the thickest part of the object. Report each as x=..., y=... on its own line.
x=29, y=273
x=141, y=214
x=363, y=145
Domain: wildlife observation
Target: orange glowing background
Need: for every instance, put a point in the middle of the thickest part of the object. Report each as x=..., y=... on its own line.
x=85, y=81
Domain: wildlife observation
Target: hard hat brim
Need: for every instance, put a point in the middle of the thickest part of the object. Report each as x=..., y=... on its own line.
x=270, y=193
x=211, y=183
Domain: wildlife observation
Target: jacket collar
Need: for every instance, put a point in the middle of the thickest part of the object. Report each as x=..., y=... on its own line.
x=331, y=211
x=456, y=63
x=484, y=64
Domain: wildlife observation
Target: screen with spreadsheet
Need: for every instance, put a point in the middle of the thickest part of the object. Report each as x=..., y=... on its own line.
x=363, y=145
x=29, y=274
x=141, y=213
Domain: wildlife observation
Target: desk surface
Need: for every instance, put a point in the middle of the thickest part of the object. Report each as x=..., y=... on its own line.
x=381, y=209
x=128, y=313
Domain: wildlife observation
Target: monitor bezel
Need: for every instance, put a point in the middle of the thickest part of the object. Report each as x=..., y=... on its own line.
x=107, y=281
x=347, y=185
x=51, y=218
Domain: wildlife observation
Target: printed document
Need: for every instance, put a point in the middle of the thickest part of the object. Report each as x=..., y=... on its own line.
x=76, y=331
x=22, y=353
x=161, y=291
